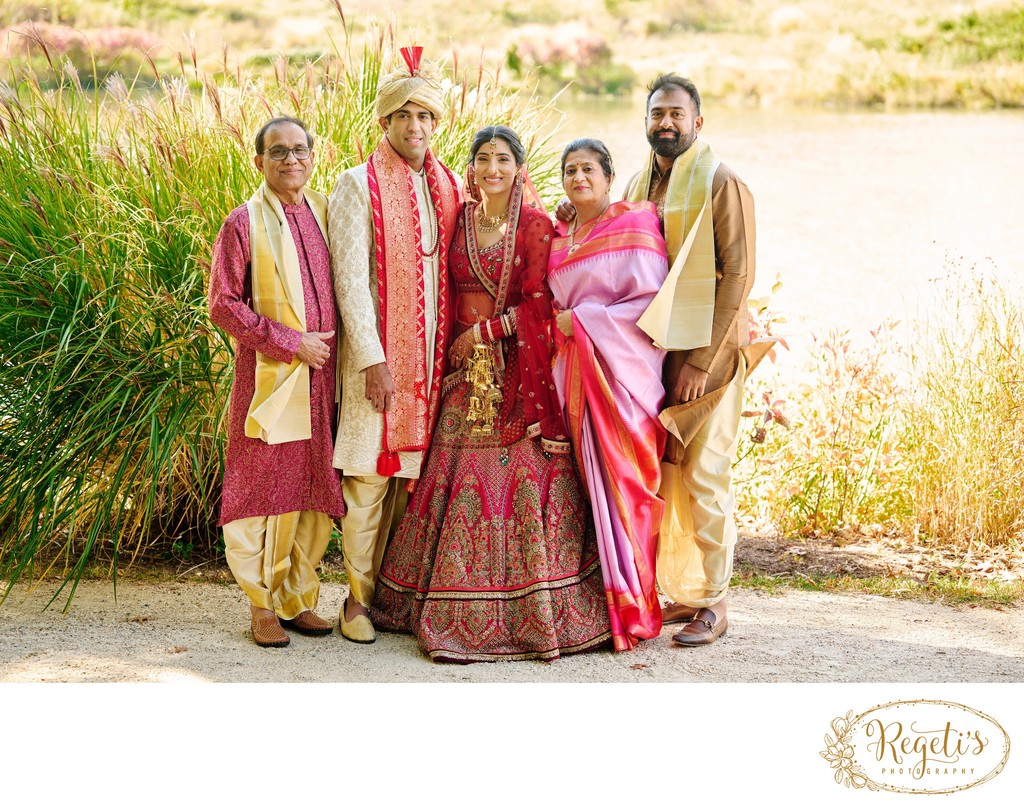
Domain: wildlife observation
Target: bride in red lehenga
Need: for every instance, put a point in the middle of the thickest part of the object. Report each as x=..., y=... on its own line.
x=495, y=558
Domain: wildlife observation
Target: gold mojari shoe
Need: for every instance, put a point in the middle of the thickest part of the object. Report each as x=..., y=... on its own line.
x=358, y=630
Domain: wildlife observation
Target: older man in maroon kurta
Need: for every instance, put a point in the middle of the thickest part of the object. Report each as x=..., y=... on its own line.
x=279, y=498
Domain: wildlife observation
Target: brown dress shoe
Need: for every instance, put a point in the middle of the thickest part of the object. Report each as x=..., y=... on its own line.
x=678, y=613
x=705, y=628
x=308, y=623
x=266, y=631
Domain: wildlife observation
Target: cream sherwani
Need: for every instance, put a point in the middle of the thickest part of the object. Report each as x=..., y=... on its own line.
x=354, y=264
x=374, y=503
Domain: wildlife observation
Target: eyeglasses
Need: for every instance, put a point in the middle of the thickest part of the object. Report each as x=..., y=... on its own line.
x=281, y=153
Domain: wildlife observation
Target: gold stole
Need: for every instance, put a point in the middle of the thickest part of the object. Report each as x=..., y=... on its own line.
x=682, y=313
x=279, y=411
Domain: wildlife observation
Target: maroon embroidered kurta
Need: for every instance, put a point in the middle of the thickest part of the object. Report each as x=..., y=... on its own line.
x=262, y=479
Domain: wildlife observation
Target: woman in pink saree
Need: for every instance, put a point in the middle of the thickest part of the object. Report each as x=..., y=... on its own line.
x=604, y=270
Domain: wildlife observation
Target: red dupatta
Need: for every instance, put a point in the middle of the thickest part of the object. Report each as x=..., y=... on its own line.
x=398, y=240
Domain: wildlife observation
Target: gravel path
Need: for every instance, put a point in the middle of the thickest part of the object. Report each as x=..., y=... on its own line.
x=198, y=631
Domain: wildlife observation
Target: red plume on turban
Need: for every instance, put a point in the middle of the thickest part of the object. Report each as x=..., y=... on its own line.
x=412, y=56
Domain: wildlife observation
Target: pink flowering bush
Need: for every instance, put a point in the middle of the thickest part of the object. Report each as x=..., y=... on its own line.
x=570, y=53
x=92, y=54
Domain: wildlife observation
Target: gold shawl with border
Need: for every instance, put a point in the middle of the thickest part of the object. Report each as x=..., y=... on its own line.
x=279, y=411
x=682, y=313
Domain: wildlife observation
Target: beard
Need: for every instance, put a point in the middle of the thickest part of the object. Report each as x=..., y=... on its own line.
x=674, y=146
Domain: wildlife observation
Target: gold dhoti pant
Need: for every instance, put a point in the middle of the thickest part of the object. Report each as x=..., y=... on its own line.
x=274, y=559
x=374, y=505
x=698, y=531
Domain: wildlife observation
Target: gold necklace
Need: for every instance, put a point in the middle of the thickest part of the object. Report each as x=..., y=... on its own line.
x=489, y=224
x=573, y=247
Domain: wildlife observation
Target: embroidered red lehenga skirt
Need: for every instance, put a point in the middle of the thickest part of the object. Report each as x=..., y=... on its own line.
x=495, y=558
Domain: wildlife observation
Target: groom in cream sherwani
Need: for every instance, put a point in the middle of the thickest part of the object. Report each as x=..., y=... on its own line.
x=391, y=220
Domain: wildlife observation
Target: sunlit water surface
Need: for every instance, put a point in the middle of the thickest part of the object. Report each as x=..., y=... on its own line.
x=858, y=213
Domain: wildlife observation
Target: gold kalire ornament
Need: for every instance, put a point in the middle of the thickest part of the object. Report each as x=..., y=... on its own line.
x=484, y=393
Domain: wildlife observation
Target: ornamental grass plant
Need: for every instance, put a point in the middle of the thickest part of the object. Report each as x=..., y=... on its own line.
x=964, y=431
x=113, y=383
x=922, y=441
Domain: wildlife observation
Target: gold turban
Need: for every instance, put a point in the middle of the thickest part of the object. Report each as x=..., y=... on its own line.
x=416, y=82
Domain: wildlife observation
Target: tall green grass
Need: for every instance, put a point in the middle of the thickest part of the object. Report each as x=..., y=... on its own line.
x=113, y=383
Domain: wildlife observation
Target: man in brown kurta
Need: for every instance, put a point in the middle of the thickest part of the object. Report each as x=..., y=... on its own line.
x=280, y=489
x=703, y=383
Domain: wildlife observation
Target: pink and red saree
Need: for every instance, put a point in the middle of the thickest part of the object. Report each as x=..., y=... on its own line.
x=608, y=376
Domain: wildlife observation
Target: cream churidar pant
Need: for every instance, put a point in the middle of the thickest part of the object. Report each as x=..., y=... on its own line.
x=374, y=506
x=274, y=559
x=698, y=532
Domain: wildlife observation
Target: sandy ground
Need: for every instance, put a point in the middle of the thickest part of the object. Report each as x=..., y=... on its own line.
x=198, y=631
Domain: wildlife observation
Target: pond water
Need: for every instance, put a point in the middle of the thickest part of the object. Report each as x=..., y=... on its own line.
x=857, y=212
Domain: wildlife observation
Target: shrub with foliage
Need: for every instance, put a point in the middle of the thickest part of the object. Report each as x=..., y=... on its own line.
x=926, y=442
x=569, y=53
x=975, y=36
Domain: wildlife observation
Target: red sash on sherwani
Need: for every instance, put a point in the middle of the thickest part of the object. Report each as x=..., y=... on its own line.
x=397, y=238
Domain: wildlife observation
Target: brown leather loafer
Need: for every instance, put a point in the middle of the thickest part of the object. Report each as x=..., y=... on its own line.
x=308, y=623
x=705, y=628
x=267, y=631
x=678, y=613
